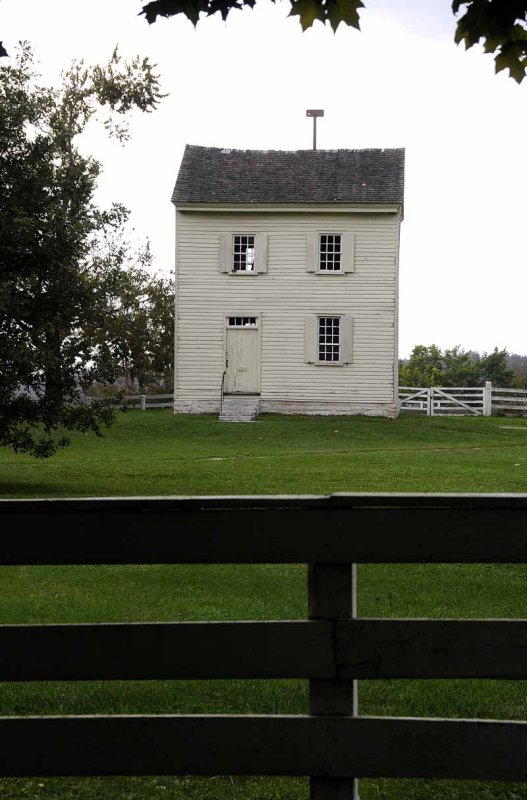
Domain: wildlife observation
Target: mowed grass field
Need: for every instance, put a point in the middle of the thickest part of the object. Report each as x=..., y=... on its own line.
x=155, y=453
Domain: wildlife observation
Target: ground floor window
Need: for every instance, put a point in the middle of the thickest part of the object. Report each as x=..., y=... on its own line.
x=329, y=338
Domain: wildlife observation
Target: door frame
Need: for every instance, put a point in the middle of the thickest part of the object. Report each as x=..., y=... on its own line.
x=258, y=327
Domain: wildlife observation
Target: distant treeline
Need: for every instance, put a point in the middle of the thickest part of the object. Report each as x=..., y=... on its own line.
x=431, y=366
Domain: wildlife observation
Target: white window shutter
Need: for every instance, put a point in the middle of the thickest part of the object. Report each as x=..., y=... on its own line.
x=312, y=252
x=310, y=340
x=346, y=339
x=260, y=245
x=225, y=263
x=348, y=252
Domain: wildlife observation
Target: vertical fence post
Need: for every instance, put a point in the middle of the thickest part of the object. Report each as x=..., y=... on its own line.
x=430, y=406
x=143, y=402
x=332, y=596
x=487, y=399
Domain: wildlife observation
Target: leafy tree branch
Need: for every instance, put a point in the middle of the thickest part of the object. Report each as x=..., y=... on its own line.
x=500, y=25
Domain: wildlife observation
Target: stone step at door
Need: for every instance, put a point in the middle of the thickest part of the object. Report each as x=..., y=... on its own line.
x=238, y=409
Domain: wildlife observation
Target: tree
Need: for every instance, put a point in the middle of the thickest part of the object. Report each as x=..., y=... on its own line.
x=49, y=228
x=133, y=329
x=424, y=367
x=460, y=368
x=499, y=24
x=518, y=365
x=429, y=366
x=495, y=367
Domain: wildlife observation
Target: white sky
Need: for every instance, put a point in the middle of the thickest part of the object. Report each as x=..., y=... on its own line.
x=402, y=82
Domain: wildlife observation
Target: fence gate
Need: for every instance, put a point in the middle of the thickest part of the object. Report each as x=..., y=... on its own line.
x=437, y=401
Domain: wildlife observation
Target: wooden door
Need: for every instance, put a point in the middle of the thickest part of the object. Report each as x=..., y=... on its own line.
x=242, y=374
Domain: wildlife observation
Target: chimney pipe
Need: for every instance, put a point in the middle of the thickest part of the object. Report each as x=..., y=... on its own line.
x=314, y=112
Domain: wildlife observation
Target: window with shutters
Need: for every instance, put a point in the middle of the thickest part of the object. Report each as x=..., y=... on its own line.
x=243, y=253
x=330, y=253
x=329, y=339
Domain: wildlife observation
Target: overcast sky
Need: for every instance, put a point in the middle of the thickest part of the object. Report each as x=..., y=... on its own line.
x=402, y=82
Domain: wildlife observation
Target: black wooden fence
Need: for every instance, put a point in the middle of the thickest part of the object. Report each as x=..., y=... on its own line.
x=332, y=649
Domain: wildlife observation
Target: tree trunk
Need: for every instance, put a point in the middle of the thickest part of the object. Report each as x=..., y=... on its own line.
x=53, y=374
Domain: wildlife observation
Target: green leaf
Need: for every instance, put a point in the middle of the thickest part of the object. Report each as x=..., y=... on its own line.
x=192, y=10
x=500, y=26
x=224, y=6
x=510, y=59
x=346, y=11
x=493, y=41
x=161, y=8
x=456, y=5
x=308, y=11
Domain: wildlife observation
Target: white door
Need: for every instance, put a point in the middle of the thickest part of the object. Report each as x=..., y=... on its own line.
x=242, y=370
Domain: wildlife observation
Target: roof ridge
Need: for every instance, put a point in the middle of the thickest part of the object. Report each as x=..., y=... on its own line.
x=300, y=150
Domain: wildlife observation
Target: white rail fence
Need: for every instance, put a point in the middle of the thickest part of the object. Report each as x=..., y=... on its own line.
x=435, y=401
x=142, y=401
x=150, y=401
x=513, y=401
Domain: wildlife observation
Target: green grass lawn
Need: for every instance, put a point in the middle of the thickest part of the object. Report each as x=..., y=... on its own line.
x=155, y=453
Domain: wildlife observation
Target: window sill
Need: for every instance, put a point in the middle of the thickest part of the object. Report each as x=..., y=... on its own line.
x=329, y=363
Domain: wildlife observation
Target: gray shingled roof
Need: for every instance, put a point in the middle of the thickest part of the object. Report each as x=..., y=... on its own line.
x=213, y=175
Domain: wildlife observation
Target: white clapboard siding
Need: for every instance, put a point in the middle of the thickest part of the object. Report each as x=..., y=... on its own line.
x=282, y=299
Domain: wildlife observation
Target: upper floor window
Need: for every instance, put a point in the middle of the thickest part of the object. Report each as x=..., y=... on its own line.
x=330, y=252
x=243, y=253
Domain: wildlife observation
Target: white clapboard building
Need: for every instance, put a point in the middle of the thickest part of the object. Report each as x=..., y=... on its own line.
x=286, y=281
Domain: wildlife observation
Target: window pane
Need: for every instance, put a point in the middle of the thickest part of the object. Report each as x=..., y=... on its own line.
x=243, y=253
x=241, y=322
x=330, y=249
x=329, y=338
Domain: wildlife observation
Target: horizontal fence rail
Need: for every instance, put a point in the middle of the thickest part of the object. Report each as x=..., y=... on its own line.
x=264, y=745
x=348, y=649
x=340, y=529
x=332, y=745
x=164, y=651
